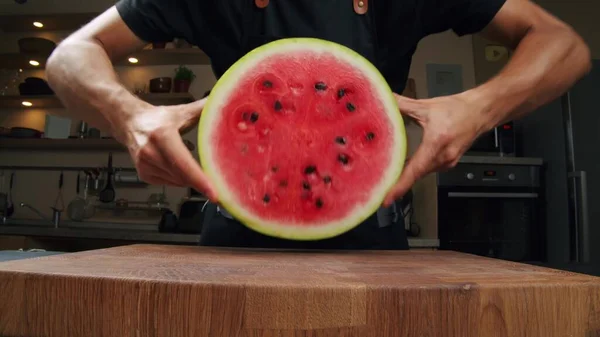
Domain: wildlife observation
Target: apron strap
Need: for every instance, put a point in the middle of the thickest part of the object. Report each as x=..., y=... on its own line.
x=360, y=6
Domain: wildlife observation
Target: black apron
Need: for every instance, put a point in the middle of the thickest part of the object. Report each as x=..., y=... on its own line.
x=336, y=21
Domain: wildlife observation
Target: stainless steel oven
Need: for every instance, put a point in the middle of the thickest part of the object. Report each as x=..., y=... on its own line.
x=492, y=210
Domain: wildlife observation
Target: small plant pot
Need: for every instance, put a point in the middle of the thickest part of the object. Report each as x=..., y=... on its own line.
x=181, y=85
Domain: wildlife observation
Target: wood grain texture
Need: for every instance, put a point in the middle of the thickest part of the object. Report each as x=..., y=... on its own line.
x=154, y=290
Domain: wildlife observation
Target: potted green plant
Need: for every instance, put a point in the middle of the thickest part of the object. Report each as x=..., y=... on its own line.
x=183, y=78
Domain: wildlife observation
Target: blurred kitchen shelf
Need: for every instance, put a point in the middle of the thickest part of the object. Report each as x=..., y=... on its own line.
x=52, y=22
x=60, y=144
x=157, y=57
x=21, y=60
x=146, y=57
x=52, y=102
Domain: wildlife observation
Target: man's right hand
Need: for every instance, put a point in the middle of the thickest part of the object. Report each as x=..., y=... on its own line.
x=80, y=71
x=152, y=136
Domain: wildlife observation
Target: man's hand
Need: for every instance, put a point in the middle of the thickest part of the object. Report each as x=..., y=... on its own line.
x=160, y=156
x=450, y=125
x=549, y=57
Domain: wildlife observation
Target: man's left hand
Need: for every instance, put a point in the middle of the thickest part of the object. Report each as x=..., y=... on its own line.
x=450, y=125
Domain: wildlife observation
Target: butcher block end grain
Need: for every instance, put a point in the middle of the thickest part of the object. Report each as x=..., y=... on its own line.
x=159, y=290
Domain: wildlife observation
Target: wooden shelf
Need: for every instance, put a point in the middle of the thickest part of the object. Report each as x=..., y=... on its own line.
x=52, y=22
x=149, y=57
x=52, y=102
x=60, y=144
x=71, y=144
x=21, y=61
x=171, y=56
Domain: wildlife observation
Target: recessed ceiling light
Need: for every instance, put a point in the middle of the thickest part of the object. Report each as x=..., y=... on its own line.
x=38, y=24
x=34, y=63
x=133, y=60
x=26, y=103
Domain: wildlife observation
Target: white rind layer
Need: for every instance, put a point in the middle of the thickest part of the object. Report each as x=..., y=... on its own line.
x=229, y=81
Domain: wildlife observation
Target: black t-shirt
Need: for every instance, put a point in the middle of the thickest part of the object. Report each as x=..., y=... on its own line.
x=217, y=26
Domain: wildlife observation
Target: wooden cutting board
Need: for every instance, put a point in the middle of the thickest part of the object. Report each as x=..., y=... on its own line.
x=153, y=290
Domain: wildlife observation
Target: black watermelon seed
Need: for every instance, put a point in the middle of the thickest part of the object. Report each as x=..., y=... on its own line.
x=278, y=106
x=350, y=107
x=343, y=159
x=306, y=185
x=340, y=140
x=268, y=84
x=274, y=169
x=254, y=117
x=370, y=136
x=319, y=203
x=327, y=179
x=341, y=93
x=266, y=198
x=310, y=169
x=283, y=183
x=320, y=86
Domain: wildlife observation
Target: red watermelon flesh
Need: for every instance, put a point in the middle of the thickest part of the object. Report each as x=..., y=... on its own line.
x=304, y=139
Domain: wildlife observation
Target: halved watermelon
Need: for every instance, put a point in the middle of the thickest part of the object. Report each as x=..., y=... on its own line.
x=302, y=138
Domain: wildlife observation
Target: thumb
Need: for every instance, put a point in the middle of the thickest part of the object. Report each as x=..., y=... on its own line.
x=413, y=108
x=193, y=109
x=190, y=113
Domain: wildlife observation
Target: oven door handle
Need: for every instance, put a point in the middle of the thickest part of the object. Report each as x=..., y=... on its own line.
x=491, y=195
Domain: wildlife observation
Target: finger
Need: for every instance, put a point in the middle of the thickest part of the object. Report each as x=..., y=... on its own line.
x=190, y=115
x=420, y=164
x=182, y=164
x=165, y=180
x=152, y=173
x=193, y=109
x=411, y=107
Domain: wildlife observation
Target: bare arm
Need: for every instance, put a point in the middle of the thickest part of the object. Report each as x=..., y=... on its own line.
x=549, y=58
x=81, y=73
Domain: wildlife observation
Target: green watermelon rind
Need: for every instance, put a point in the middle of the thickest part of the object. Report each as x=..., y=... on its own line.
x=288, y=231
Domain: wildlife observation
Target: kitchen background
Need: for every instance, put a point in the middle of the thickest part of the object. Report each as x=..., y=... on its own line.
x=442, y=64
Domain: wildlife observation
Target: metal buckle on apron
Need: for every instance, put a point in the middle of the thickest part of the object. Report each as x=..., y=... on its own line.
x=361, y=6
x=261, y=3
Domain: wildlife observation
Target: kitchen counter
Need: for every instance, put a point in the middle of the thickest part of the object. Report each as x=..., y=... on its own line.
x=136, y=235
x=10, y=255
x=157, y=290
x=501, y=160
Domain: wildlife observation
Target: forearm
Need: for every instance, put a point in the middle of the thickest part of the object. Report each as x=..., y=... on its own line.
x=82, y=76
x=546, y=63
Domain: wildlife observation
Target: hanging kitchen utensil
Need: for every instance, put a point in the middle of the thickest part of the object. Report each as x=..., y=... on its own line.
x=3, y=196
x=59, y=197
x=90, y=210
x=10, y=208
x=94, y=189
x=108, y=193
x=76, y=208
